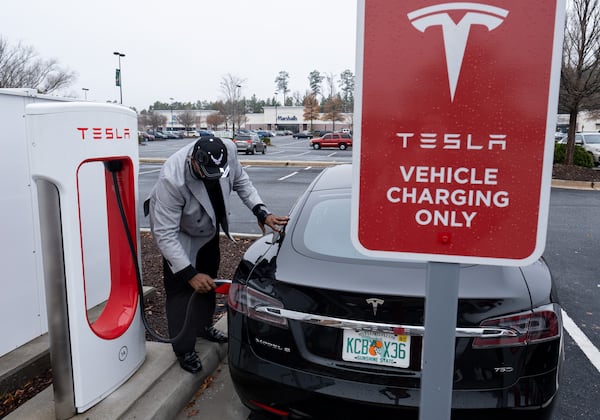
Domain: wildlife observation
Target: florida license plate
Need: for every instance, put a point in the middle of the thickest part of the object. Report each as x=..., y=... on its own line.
x=376, y=348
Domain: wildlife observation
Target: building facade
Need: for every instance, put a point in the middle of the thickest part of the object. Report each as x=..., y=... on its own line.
x=292, y=118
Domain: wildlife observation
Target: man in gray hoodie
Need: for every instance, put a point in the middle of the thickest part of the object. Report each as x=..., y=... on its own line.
x=188, y=206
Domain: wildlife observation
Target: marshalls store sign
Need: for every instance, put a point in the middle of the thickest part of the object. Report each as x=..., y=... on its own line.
x=455, y=105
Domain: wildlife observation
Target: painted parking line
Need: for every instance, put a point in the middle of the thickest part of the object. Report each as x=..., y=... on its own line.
x=584, y=343
x=332, y=154
x=287, y=176
x=149, y=172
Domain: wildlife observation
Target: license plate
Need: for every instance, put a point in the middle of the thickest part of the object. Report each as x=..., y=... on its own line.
x=376, y=348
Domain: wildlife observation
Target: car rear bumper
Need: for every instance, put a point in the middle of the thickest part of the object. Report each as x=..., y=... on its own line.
x=243, y=147
x=298, y=391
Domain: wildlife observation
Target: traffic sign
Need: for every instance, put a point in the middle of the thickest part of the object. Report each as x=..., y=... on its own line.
x=455, y=113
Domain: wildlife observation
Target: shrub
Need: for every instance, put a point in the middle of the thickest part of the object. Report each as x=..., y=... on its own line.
x=581, y=157
x=267, y=140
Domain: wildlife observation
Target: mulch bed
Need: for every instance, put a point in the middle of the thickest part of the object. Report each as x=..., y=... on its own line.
x=231, y=254
x=575, y=173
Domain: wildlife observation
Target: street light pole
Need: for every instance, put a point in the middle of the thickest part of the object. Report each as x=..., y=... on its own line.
x=171, y=113
x=118, y=78
x=235, y=95
x=85, y=91
x=276, y=93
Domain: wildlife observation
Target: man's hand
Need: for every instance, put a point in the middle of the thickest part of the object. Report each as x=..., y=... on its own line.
x=202, y=283
x=273, y=221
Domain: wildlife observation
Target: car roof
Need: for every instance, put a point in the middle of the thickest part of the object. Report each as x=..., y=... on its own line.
x=336, y=177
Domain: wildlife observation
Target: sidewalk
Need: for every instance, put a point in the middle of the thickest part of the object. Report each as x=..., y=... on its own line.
x=159, y=390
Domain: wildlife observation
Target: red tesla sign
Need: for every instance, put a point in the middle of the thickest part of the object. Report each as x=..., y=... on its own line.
x=455, y=106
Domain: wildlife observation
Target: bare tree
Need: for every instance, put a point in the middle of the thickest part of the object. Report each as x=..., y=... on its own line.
x=214, y=120
x=20, y=67
x=333, y=110
x=156, y=120
x=311, y=109
x=297, y=98
x=330, y=78
x=580, y=75
x=187, y=119
x=231, y=87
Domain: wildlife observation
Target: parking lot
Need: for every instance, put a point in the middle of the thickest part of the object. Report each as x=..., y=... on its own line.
x=571, y=252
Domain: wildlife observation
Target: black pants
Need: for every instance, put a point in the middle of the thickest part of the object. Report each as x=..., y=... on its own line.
x=179, y=293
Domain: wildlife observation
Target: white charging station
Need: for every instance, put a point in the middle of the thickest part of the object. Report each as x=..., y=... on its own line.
x=74, y=148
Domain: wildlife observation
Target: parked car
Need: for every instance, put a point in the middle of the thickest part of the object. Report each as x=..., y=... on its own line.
x=249, y=143
x=202, y=133
x=302, y=135
x=146, y=136
x=171, y=134
x=303, y=303
x=158, y=135
x=339, y=140
x=264, y=133
x=590, y=141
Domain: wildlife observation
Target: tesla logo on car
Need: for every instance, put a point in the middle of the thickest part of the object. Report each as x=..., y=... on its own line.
x=455, y=34
x=374, y=302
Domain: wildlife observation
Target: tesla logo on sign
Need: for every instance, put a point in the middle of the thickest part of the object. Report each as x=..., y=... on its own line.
x=464, y=176
x=456, y=34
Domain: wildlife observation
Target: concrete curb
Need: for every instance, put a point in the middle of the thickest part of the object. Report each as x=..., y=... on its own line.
x=159, y=390
x=576, y=185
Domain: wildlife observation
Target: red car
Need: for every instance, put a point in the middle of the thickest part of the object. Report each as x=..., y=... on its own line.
x=340, y=140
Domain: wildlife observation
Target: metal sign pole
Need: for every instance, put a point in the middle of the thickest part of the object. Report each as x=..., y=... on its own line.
x=441, y=302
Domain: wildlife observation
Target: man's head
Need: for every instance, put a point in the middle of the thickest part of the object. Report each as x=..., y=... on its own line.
x=209, y=158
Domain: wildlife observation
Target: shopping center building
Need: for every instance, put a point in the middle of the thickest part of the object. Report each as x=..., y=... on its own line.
x=292, y=118
x=272, y=118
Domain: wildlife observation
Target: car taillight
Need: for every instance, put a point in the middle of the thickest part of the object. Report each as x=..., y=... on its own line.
x=249, y=141
x=246, y=300
x=541, y=324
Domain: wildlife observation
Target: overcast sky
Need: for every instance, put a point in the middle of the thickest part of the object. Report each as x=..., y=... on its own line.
x=181, y=49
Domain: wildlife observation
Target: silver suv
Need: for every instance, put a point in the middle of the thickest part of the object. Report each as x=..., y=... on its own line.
x=590, y=141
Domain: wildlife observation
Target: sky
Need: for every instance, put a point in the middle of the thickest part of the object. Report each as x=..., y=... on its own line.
x=182, y=49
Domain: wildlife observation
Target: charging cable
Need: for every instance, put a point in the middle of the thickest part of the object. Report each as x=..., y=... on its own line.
x=222, y=285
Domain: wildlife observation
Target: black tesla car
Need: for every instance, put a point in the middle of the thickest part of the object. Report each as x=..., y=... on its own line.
x=318, y=330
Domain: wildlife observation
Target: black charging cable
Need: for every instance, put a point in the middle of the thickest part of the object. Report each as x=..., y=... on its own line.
x=113, y=167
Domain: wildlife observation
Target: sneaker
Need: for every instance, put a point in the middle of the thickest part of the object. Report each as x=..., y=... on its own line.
x=190, y=362
x=214, y=335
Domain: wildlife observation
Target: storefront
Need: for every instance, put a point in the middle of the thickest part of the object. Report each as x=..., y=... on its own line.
x=292, y=118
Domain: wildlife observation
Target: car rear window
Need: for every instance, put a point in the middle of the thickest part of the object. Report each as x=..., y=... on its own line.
x=327, y=229
x=592, y=138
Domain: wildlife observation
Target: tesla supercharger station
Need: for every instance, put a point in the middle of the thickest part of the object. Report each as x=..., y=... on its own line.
x=80, y=154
